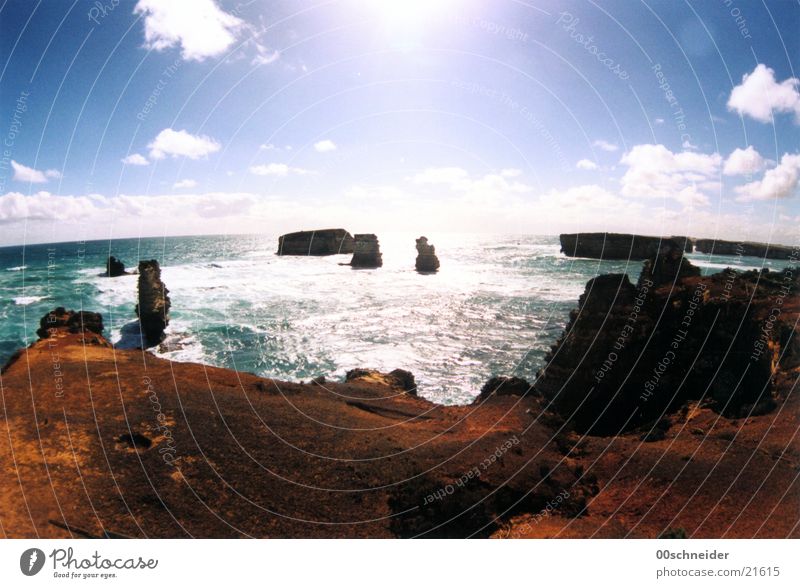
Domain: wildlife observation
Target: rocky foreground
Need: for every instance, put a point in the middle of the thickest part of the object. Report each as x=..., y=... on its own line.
x=107, y=442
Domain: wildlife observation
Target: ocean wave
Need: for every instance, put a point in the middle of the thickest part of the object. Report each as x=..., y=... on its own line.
x=18, y=268
x=26, y=300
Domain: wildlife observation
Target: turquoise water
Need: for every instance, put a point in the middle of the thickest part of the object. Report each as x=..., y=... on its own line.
x=495, y=307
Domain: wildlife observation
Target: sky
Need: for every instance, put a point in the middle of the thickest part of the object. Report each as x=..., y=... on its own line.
x=170, y=117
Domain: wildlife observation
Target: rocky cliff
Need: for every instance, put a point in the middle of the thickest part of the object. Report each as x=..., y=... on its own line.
x=320, y=242
x=618, y=245
x=153, y=303
x=262, y=458
x=762, y=250
x=366, y=252
x=633, y=353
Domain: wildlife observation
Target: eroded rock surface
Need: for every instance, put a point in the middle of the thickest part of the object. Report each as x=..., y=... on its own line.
x=631, y=354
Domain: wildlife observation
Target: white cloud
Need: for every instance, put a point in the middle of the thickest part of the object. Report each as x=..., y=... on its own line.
x=656, y=172
x=23, y=173
x=43, y=206
x=441, y=175
x=605, y=145
x=688, y=145
x=278, y=170
x=778, y=182
x=659, y=121
x=264, y=56
x=185, y=184
x=586, y=164
x=200, y=27
x=487, y=191
x=325, y=146
x=135, y=159
x=743, y=162
x=759, y=95
x=582, y=198
x=181, y=144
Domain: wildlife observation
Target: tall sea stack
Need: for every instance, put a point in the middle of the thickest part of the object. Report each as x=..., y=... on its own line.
x=153, y=305
x=427, y=262
x=367, y=252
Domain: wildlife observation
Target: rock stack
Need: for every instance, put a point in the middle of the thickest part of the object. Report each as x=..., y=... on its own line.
x=367, y=252
x=427, y=262
x=154, y=303
x=114, y=267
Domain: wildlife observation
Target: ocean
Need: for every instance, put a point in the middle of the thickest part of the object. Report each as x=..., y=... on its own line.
x=495, y=307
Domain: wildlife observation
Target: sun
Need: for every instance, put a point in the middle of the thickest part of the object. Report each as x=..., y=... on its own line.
x=405, y=12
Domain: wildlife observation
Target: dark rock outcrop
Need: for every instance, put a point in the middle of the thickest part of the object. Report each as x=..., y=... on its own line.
x=503, y=386
x=366, y=252
x=69, y=321
x=618, y=245
x=667, y=267
x=630, y=353
x=114, y=267
x=750, y=249
x=154, y=303
x=321, y=242
x=401, y=380
x=427, y=261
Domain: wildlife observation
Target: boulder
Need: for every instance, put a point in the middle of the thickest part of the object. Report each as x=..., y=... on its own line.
x=618, y=245
x=114, y=267
x=401, y=380
x=427, y=261
x=366, y=252
x=69, y=321
x=154, y=303
x=503, y=386
x=320, y=242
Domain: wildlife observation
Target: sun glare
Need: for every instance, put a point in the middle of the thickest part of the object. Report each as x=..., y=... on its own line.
x=405, y=12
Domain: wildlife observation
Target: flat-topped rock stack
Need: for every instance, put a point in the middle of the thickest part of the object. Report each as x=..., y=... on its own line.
x=618, y=245
x=154, y=303
x=318, y=242
x=366, y=252
x=427, y=262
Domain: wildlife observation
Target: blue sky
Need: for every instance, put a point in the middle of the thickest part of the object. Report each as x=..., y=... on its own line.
x=156, y=117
